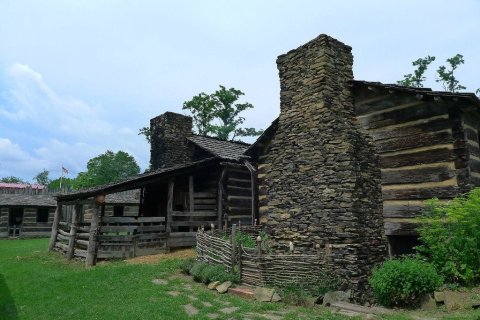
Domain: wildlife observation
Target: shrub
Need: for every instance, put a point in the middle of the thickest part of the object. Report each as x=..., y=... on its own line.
x=293, y=294
x=402, y=282
x=450, y=237
x=186, y=265
x=245, y=240
x=206, y=273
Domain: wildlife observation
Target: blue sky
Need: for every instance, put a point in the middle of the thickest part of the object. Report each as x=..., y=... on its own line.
x=78, y=78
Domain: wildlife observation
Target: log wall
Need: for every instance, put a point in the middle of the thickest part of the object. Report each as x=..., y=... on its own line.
x=423, y=151
x=3, y=222
x=30, y=227
x=238, y=198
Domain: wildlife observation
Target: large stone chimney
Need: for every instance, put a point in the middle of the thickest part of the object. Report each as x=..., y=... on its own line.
x=323, y=179
x=168, y=141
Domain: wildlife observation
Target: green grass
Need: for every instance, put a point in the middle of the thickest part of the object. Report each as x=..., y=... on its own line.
x=35, y=284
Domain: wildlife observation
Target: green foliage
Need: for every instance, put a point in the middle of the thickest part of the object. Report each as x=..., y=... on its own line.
x=447, y=78
x=300, y=292
x=146, y=132
x=107, y=168
x=12, y=179
x=67, y=184
x=402, y=282
x=186, y=265
x=207, y=273
x=220, y=106
x=244, y=239
x=293, y=294
x=42, y=178
x=450, y=237
x=417, y=79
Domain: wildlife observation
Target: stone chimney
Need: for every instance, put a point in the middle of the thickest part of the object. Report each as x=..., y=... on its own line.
x=323, y=183
x=168, y=141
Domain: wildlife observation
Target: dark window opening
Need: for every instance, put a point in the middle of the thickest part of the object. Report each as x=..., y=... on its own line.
x=118, y=211
x=42, y=215
x=15, y=221
x=402, y=244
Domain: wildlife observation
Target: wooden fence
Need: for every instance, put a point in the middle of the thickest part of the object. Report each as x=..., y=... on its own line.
x=256, y=266
x=118, y=237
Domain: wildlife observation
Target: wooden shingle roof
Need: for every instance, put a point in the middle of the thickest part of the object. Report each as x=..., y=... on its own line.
x=27, y=200
x=228, y=150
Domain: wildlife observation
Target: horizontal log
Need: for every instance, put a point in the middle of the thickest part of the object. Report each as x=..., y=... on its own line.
x=417, y=141
x=105, y=229
x=417, y=175
x=239, y=202
x=124, y=220
x=415, y=112
x=150, y=228
x=379, y=103
x=204, y=201
x=192, y=223
x=400, y=228
x=194, y=214
x=401, y=211
x=150, y=219
x=115, y=238
x=82, y=242
x=236, y=191
x=233, y=211
x=424, y=193
x=416, y=158
x=205, y=207
x=151, y=236
x=471, y=134
x=415, y=129
x=238, y=183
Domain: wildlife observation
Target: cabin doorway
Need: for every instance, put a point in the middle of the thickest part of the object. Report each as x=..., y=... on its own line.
x=15, y=221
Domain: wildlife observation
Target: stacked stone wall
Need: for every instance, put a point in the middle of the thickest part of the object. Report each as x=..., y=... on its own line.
x=169, y=145
x=320, y=179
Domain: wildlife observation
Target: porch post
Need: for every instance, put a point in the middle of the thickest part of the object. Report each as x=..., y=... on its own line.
x=220, y=198
x=56, y=220
x=73, y=230
x=171, y=184
x=191, y=198
x=94, y=231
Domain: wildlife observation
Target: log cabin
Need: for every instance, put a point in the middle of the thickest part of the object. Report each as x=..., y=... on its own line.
x=195, y=181
x=428, y=146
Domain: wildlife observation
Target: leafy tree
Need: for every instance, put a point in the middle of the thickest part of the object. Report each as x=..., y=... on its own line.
x=146, y=132
x=67, y=183
x=447, y=78
x=42, y=178
x=478, y=92
x=12, y=179
x=107, y=168
x=417, y=79
x=203, y=108
x=222, y=107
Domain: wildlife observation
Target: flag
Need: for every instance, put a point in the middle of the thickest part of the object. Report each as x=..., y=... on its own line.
x=64, y=170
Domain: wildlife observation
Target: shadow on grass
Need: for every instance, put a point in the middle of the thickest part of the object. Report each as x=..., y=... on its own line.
x=8, y=310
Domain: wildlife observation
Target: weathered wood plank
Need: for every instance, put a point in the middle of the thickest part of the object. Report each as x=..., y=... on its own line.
x=119, y=220
x=150, y=219
x=401, y=211
x=171, y=184
x=417, y=141
x=421, y=193
x=194, y=214
x=426, y=110
x=430, y=125
x=415, y=158
x=417, y=175
x=91, y=259
x=192, y=223
x=374, y=105
x=56, y=220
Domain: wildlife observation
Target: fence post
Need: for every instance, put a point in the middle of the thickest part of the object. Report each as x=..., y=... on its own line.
x=212, y=227
x=232, y=241
x=259, y=246
x=240, y=249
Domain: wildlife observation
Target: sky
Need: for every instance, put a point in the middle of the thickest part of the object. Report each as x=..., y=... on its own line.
x=78, y=78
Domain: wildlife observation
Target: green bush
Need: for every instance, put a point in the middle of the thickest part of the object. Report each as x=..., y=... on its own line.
x=186, y=265
x=244, y=239
x=207, y=273
x=402, y=282
x=450, y=237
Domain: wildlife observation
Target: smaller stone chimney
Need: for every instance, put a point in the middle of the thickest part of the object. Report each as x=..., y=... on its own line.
x=168, y=141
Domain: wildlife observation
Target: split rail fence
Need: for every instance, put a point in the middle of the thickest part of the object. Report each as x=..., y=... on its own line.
x=256, y=266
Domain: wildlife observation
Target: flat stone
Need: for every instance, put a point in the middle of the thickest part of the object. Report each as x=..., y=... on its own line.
x=160, y=281
x=243, y=292
x=427, y=303
x=229, y=310
x=193, y=298
x=335, y=296
x=276, y=297
x=173, y=293
x=439, y=296
x=213, y=285
x=190, y=310
x=222, y=288
x=212, y=315
x=264, y=294
x=207, y=304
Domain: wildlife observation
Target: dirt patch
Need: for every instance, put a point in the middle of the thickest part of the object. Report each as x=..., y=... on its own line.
x=177, y=254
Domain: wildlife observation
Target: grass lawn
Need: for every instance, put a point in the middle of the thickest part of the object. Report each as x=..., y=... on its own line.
x=35, y=284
